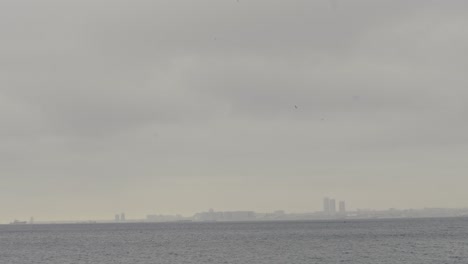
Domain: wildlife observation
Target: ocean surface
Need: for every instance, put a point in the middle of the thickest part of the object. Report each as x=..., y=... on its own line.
x=427, y=241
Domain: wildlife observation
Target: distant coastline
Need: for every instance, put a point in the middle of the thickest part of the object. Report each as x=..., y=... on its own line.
x=277, y=216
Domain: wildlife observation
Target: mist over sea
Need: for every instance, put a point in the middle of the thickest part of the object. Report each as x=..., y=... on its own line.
x=361, y=242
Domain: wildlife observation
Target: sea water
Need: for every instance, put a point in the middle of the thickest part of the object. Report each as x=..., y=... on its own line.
x=424, y=241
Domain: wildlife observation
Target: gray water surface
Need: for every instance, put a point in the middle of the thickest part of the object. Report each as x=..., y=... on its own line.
x=425, y=241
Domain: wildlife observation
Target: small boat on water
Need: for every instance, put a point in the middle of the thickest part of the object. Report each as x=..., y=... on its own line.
x=16, y=222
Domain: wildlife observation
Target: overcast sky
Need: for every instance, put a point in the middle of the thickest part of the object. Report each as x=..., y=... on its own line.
x=144, y=107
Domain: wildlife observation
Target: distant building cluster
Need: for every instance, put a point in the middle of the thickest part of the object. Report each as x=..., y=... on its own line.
x=409, y=213
x=329, y=207
x=211, y=215
x=329, y=212
x=119, y=217
x=332, y=210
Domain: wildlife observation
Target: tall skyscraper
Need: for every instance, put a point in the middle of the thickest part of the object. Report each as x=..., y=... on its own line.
x=326, y=205
x=117, y=218
x=332, y=206
x=122, y=217
x=342, y=207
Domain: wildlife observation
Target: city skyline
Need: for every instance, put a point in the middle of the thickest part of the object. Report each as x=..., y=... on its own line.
x=279, y=215
x=328, y=208
x=327, y=212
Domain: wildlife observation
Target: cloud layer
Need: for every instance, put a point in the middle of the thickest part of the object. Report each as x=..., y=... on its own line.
x=178, y=106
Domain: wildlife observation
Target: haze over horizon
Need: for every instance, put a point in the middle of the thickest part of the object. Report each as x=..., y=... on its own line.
x=143, y=107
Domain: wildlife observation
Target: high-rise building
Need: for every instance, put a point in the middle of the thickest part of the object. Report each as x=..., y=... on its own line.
x=117, y=218
x=342, y=207
x=332, y=206
x=326, y=205
x=122, y=217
